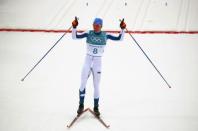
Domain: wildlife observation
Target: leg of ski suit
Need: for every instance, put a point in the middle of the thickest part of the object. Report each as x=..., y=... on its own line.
x=92, y=64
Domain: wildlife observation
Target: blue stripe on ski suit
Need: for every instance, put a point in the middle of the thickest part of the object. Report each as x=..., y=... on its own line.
x=84, y=35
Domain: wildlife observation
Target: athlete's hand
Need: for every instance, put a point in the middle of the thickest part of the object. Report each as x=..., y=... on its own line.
x=122, y=24
x=75, y=22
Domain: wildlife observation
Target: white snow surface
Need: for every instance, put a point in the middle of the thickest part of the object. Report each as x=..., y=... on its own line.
x=133, y=96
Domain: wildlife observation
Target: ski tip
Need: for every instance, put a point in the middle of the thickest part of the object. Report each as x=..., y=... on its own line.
x=107, y=126
x=22, y=80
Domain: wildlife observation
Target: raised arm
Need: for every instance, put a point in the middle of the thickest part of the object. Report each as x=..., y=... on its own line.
x=78, y=36
x=74, y=32
x=121, y=35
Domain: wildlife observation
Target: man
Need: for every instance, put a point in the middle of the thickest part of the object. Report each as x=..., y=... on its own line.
x=96, y=41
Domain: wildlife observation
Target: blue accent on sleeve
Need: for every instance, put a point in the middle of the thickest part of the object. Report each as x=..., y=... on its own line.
x=114, y=37
x=81, y=35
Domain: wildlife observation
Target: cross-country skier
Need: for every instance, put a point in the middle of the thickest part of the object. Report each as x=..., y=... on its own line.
x=96, y=41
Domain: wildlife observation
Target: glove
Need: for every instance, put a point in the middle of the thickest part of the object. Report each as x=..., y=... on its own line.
x=75, y=22
x=122, y=24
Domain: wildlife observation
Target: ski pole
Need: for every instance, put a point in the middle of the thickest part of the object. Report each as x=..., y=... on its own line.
x=148, y=57
x=46, y=54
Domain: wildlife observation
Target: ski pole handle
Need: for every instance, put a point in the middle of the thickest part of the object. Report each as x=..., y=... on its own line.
x=76, y=18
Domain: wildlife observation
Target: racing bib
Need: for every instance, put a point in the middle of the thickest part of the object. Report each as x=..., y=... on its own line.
x=95, y=50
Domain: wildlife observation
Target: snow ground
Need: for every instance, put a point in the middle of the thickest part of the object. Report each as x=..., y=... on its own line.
x=133, y=95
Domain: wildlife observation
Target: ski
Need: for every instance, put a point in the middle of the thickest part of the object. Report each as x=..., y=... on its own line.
x=99, y=118
x=74, y=120
x=92, y=112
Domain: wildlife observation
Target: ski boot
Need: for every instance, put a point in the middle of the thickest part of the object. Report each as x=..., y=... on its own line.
x=80, y=109
x=96, y=111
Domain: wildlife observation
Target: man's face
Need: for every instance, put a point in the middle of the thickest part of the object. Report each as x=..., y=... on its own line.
x=97, y=27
